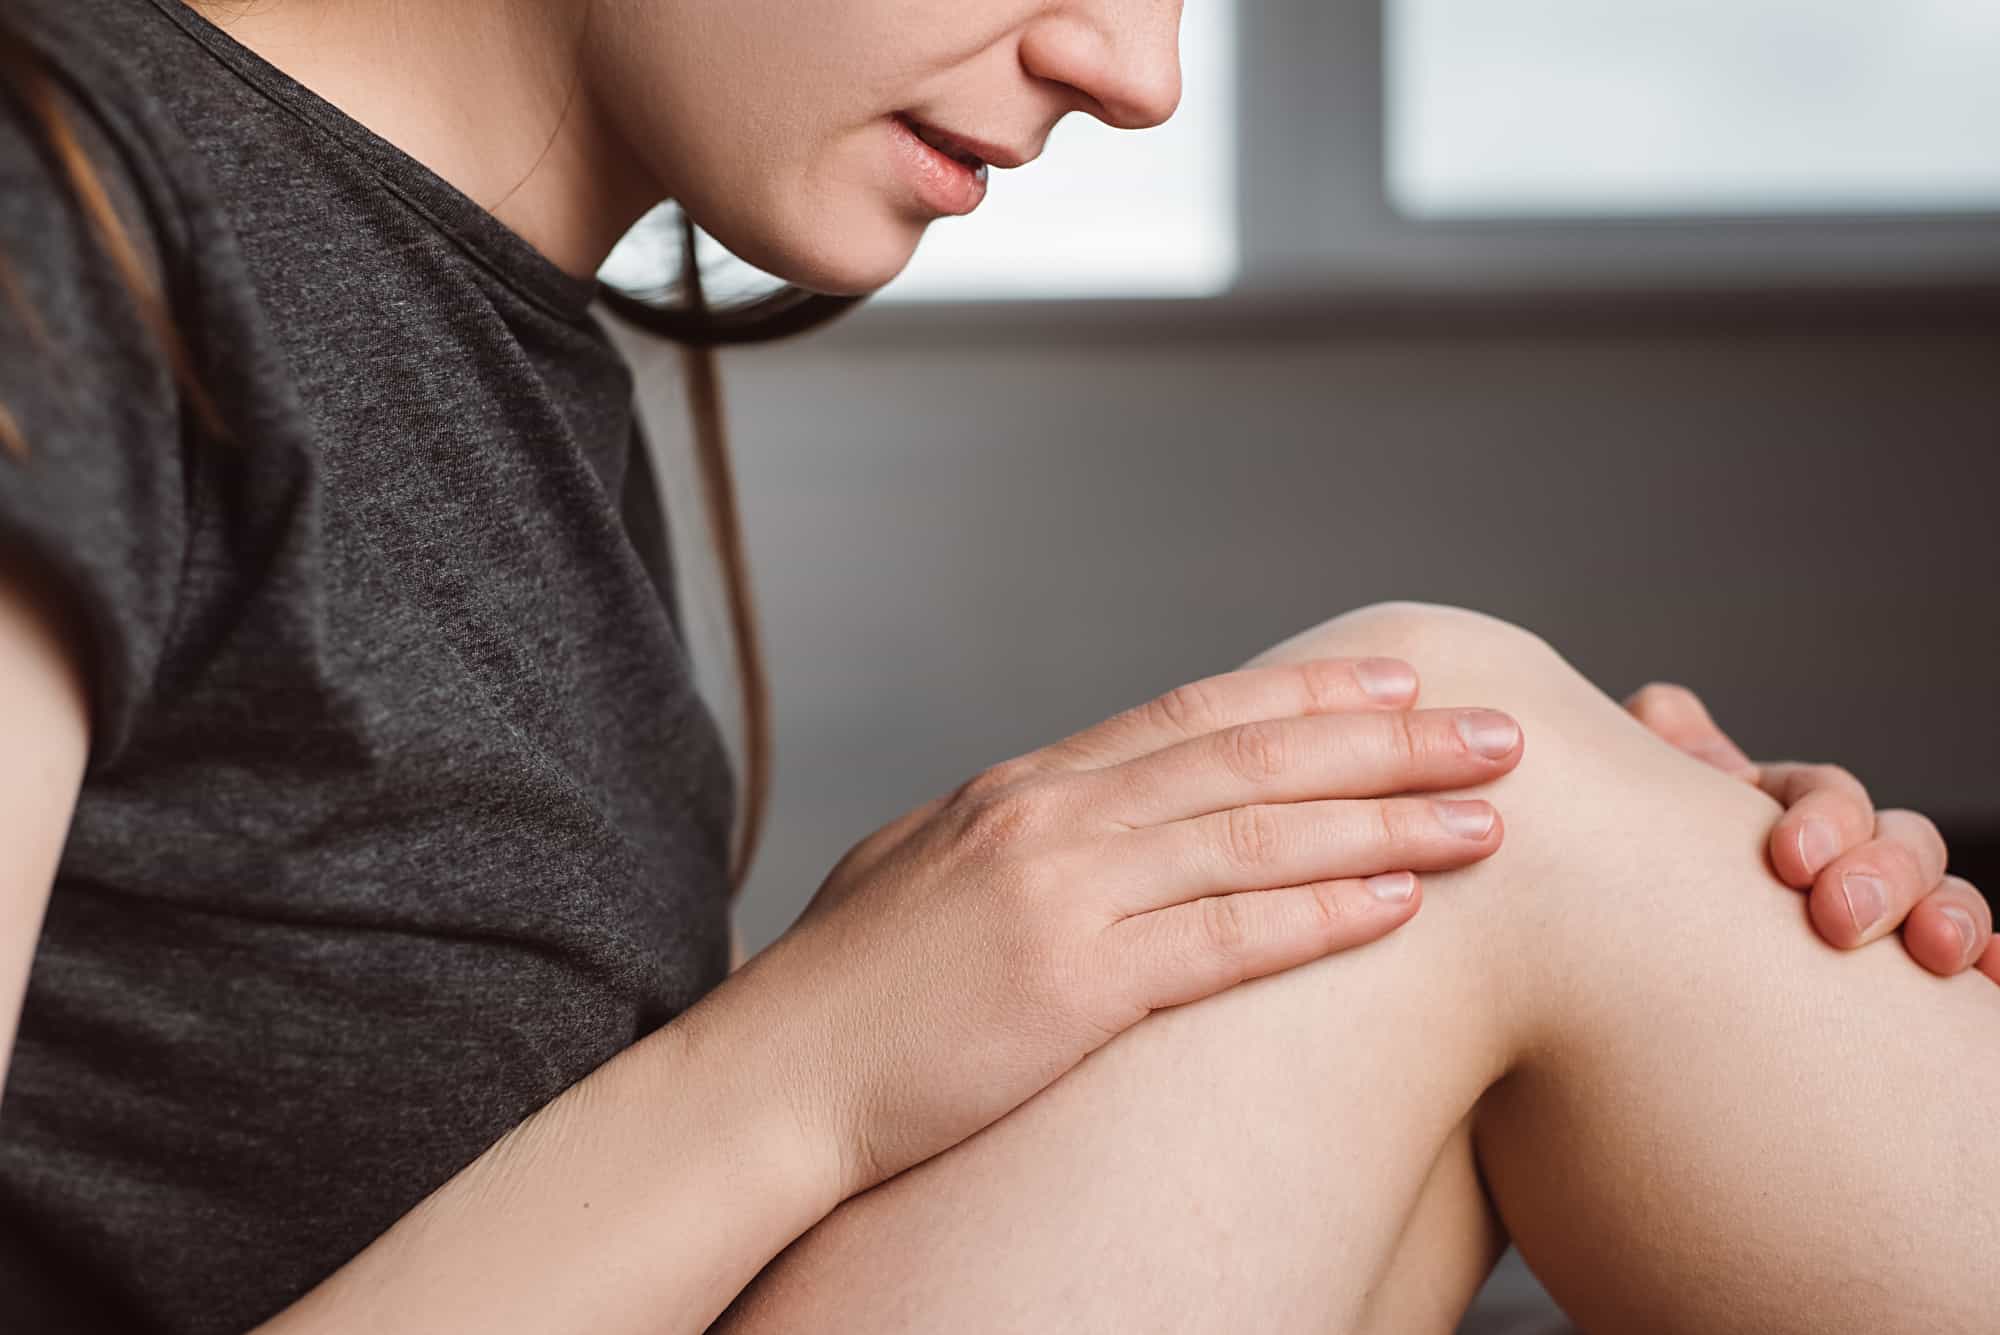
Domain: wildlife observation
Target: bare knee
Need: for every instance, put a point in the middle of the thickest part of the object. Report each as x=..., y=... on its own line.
x=1434, y=624
x=1615, y=842
x=1455, y=650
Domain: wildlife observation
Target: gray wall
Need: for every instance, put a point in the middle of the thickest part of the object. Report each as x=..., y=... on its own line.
x=969, y=545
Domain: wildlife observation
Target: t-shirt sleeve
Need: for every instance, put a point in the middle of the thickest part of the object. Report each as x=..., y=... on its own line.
x=93, y=495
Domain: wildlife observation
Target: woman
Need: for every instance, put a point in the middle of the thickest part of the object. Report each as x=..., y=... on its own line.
x=384, y=847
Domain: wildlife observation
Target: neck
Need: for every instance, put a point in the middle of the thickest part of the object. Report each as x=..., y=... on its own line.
x=487, y=94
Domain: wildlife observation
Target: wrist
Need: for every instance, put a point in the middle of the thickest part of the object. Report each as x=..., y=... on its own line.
x=643, y=1198
x=767, y=1097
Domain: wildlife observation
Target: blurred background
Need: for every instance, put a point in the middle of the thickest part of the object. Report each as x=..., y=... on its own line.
x=1669, y=329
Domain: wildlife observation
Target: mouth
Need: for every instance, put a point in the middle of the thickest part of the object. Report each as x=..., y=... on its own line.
x=947, y=145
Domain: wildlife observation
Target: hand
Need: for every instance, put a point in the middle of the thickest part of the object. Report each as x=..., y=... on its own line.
x=1868, y=872
x=965, y=956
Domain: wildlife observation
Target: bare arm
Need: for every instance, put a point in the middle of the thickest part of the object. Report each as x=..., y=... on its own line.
x=643, y=1198
x=44, y=715
x=879, y=1031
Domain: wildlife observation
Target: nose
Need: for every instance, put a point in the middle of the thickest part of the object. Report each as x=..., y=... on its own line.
x=1122, y=56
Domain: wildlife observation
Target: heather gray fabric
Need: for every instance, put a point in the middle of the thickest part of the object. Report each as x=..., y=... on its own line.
x=401, y=813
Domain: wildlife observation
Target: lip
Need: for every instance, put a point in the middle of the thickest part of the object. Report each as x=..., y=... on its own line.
x=991, y=154
x=942, y=183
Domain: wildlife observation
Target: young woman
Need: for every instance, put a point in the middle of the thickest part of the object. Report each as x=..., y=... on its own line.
x=373, y=852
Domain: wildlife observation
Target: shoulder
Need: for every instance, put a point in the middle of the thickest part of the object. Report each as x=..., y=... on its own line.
x=91, y=474
x=77, y=120
x=81, y=221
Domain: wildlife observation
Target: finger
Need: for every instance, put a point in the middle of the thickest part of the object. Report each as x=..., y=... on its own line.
x=1866, y=893
x=1301, y=760
x=1677, y=714
x=1950, y=929
x=1197, y=949
x=1989, y=962
x=1827, y=812
x=1914, y=831
x=1297, y=843
x=1252, y=695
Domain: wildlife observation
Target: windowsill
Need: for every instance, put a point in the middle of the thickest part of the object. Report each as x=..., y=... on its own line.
x=1302, y=314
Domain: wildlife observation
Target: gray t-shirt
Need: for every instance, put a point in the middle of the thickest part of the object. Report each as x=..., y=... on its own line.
x=401, y=813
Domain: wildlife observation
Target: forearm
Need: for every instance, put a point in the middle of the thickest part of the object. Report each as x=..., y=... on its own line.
x=639, y=1200
x=44, y=715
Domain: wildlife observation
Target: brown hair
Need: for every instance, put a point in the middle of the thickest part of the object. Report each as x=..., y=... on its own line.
x=680, y=313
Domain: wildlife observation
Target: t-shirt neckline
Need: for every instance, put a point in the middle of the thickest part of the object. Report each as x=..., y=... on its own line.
x=490, y=242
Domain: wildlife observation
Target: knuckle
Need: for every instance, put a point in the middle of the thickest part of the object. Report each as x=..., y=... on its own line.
x=1189, y=709
x=1225, y=925
x=1251, y=836
x=1901, y=863
x=1005, y=818
x=1403, y=736
x=1326, y=685
x=1329, y=910
x=1255, y=752
x=1917, y=828
x=1392, y=823
x=982, y=785
x=1839, y=779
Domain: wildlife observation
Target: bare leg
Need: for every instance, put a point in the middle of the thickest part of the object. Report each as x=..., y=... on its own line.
x=1691, y=1114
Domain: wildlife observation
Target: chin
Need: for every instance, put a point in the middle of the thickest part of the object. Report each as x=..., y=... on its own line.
x=849, y=256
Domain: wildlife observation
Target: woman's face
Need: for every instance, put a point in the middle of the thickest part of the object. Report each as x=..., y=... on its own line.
x=783, y=127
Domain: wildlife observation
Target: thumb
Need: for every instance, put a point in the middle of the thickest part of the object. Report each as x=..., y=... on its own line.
x=1677, y=715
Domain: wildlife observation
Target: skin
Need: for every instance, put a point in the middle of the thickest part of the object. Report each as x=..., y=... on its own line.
x=43, y=714
x=772, y=129
x=1102, y=877
x=1613, y=1041
x=774, y=132
x=1831, y=832
x=876, y=1032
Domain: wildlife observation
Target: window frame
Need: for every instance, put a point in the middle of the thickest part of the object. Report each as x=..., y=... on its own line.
x=1313, y=193
x=1323, y=250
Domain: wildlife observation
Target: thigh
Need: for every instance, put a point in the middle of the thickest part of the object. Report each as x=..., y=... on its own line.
x=1292, y=1155
x=1692, y=1115
x=1250, y=1162
x=1711, y=1119
x=1446, y=1251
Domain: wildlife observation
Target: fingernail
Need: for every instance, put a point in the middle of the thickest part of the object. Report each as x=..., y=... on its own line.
x=1467, y=820
x=1491, y=735
x=1865, y=899
x=1386, y=679
x=1967, y=933
x=1819, y=844
x=1393, y=887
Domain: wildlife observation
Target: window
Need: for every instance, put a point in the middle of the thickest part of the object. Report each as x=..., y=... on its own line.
x=1424, y=148
x=1413, y=147
x=1581, y=108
